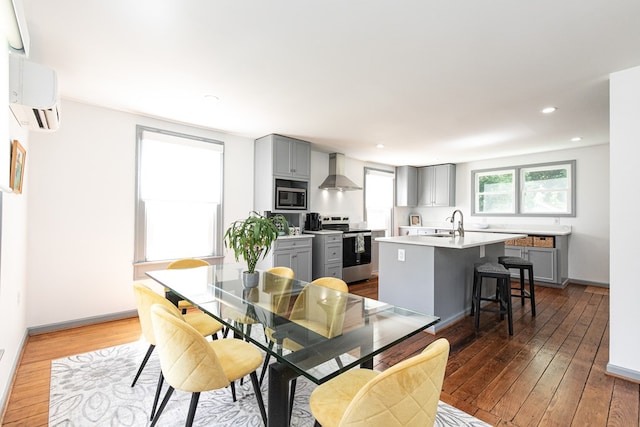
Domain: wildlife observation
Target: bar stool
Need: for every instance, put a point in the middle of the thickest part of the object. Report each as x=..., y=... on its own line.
x=502, y=296
x=522, y=265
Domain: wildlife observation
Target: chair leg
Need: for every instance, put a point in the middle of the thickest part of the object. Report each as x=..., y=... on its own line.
x=162, y=406
x=265, y=365
x=292, y=395
x=233, y=390
x=478, y=291
x=523, y=293
x=532, y=292
x=143, y=364
x=192, y=408
x=507, y=290
x=256, y=389
x=473, y=294
x=157, y=396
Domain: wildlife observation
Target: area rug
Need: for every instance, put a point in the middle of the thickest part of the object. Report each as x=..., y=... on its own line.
x=94, y=389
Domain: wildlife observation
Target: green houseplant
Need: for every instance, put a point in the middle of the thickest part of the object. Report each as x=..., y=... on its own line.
x=251, y=239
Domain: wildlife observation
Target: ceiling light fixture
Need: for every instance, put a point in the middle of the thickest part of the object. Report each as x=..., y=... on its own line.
x=549, y=110
x=211, y=98
x=576, y=139
x=380, y=146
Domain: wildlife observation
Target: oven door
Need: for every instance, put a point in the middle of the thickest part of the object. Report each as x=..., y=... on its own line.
x=356, y=248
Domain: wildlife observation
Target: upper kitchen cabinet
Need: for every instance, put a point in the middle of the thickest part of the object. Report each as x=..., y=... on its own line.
x=291, y=157
x=406, y=186
x=280, y=161
x=437, y=185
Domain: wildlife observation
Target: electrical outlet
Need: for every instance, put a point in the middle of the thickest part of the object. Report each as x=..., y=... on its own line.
x=401, y=255
x=556, y=220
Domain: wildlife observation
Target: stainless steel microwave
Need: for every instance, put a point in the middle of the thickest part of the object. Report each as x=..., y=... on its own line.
x=288, y=198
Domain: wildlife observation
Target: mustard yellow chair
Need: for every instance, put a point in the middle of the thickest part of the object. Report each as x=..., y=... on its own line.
x=145, y=298
x=191, y=363
x=317, y=310
x=406, y=394
x=278, y=285
x=183, y=263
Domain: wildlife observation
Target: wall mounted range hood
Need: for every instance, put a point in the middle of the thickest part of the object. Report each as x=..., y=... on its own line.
x=336, y=179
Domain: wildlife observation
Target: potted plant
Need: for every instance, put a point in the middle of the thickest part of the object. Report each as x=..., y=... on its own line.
x=252, y=238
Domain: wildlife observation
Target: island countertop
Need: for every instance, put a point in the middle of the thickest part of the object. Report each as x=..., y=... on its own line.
x=469, y=240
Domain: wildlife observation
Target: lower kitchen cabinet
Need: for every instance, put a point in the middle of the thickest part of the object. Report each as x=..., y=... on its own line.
x=327, y=255
x=550, y=265
x=294, y=253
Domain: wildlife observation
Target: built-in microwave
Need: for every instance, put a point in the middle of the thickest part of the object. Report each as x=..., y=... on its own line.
x=288, y=198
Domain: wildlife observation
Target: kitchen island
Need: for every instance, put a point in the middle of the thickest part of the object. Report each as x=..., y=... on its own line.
x=433, y=274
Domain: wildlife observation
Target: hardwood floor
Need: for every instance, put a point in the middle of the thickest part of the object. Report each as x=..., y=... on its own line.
x=551, y=372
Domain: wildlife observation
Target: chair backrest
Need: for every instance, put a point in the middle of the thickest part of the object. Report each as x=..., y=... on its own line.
x=406, y=394
x=278, y=285
x=187, y=263
x=187, y=360
x=325, y=303
x=145, y=298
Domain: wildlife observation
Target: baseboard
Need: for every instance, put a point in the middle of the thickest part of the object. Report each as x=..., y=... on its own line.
x=623, y=373
x=81, y=322
x=12, y=374
x=589, y=283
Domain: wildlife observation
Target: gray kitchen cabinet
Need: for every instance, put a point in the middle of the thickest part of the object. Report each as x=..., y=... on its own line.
x=291, y=157
x=327, y=255
x=545, y=262
x=437, y=185
x=406, y=186
x=295, y=254
x=278, y=157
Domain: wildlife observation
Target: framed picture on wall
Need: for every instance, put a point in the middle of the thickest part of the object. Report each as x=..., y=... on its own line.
x=18, y=156
x=414, y=220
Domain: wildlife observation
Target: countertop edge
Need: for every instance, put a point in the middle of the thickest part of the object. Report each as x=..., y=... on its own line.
x=451, y=242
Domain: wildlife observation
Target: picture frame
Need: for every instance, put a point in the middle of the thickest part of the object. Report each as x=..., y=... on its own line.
x=18, y=157
x=415, y=220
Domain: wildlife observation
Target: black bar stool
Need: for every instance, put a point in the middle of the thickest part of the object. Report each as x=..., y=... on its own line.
x=522, y=265
x=502, y=295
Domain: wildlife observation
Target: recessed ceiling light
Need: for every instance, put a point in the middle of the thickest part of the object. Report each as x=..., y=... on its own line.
x=211, y=98
x=380, y=146
x=576, y=139
x=549, y=110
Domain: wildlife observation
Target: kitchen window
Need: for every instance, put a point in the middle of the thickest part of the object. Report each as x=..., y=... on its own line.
x=530, y=190
x=178, y=198
x=378, y=199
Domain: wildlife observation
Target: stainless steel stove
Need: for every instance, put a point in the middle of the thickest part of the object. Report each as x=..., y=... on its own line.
x=356, y=248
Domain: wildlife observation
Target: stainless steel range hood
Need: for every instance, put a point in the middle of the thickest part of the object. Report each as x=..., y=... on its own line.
x=336, y=179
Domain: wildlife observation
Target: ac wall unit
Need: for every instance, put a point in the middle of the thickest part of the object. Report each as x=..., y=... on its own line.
x=33, y=94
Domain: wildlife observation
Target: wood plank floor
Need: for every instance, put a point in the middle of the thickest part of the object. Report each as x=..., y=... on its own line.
x=551, y=372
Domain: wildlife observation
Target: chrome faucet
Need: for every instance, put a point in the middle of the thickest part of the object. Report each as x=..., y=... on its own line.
x=460, y=228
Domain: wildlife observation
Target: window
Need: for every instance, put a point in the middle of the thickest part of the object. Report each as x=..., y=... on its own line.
x=178, y=196
x=378, y=199
x=531, y=190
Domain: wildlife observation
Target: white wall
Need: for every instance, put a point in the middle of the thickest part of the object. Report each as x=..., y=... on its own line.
x=589, y=241
x=81, y=212
x=624, y=304
x=13, y=248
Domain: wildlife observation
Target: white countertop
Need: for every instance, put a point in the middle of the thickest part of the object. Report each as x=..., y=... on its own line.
x=322, y=232
x=298, y=236
x=545, y=230
x=471, y=239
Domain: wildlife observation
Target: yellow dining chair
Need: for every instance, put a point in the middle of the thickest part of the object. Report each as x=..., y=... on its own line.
x=317, y=310
x=145, y=298
x=191, y=363
x=406, y=394
x=183, y=263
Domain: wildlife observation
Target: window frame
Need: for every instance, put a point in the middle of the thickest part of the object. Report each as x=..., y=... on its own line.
x=519, y=189
x=392, y=175
x=140, y=264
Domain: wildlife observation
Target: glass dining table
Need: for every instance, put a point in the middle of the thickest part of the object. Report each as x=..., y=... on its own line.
x=306, y=329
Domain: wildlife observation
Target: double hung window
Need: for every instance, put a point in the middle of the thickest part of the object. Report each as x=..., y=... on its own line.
x=178, y=196
x=378, y=199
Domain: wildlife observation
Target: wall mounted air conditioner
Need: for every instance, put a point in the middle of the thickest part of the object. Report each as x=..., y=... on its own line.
x=33, y=94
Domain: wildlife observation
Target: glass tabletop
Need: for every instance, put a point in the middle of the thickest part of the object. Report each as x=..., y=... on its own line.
x=317, y=331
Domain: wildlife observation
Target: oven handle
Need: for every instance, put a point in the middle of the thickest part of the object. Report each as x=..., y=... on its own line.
x=347, y=235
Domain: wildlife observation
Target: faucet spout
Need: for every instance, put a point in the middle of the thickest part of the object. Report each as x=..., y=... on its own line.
x=460, y=228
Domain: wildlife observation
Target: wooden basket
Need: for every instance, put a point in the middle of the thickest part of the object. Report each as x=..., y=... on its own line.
x=544, y=241
x=525, y=241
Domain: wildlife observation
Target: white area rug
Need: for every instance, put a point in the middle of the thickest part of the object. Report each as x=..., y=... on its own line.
x=94, y=389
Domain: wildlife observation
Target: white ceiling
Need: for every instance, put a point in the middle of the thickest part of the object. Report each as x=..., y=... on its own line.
x=433, y=80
